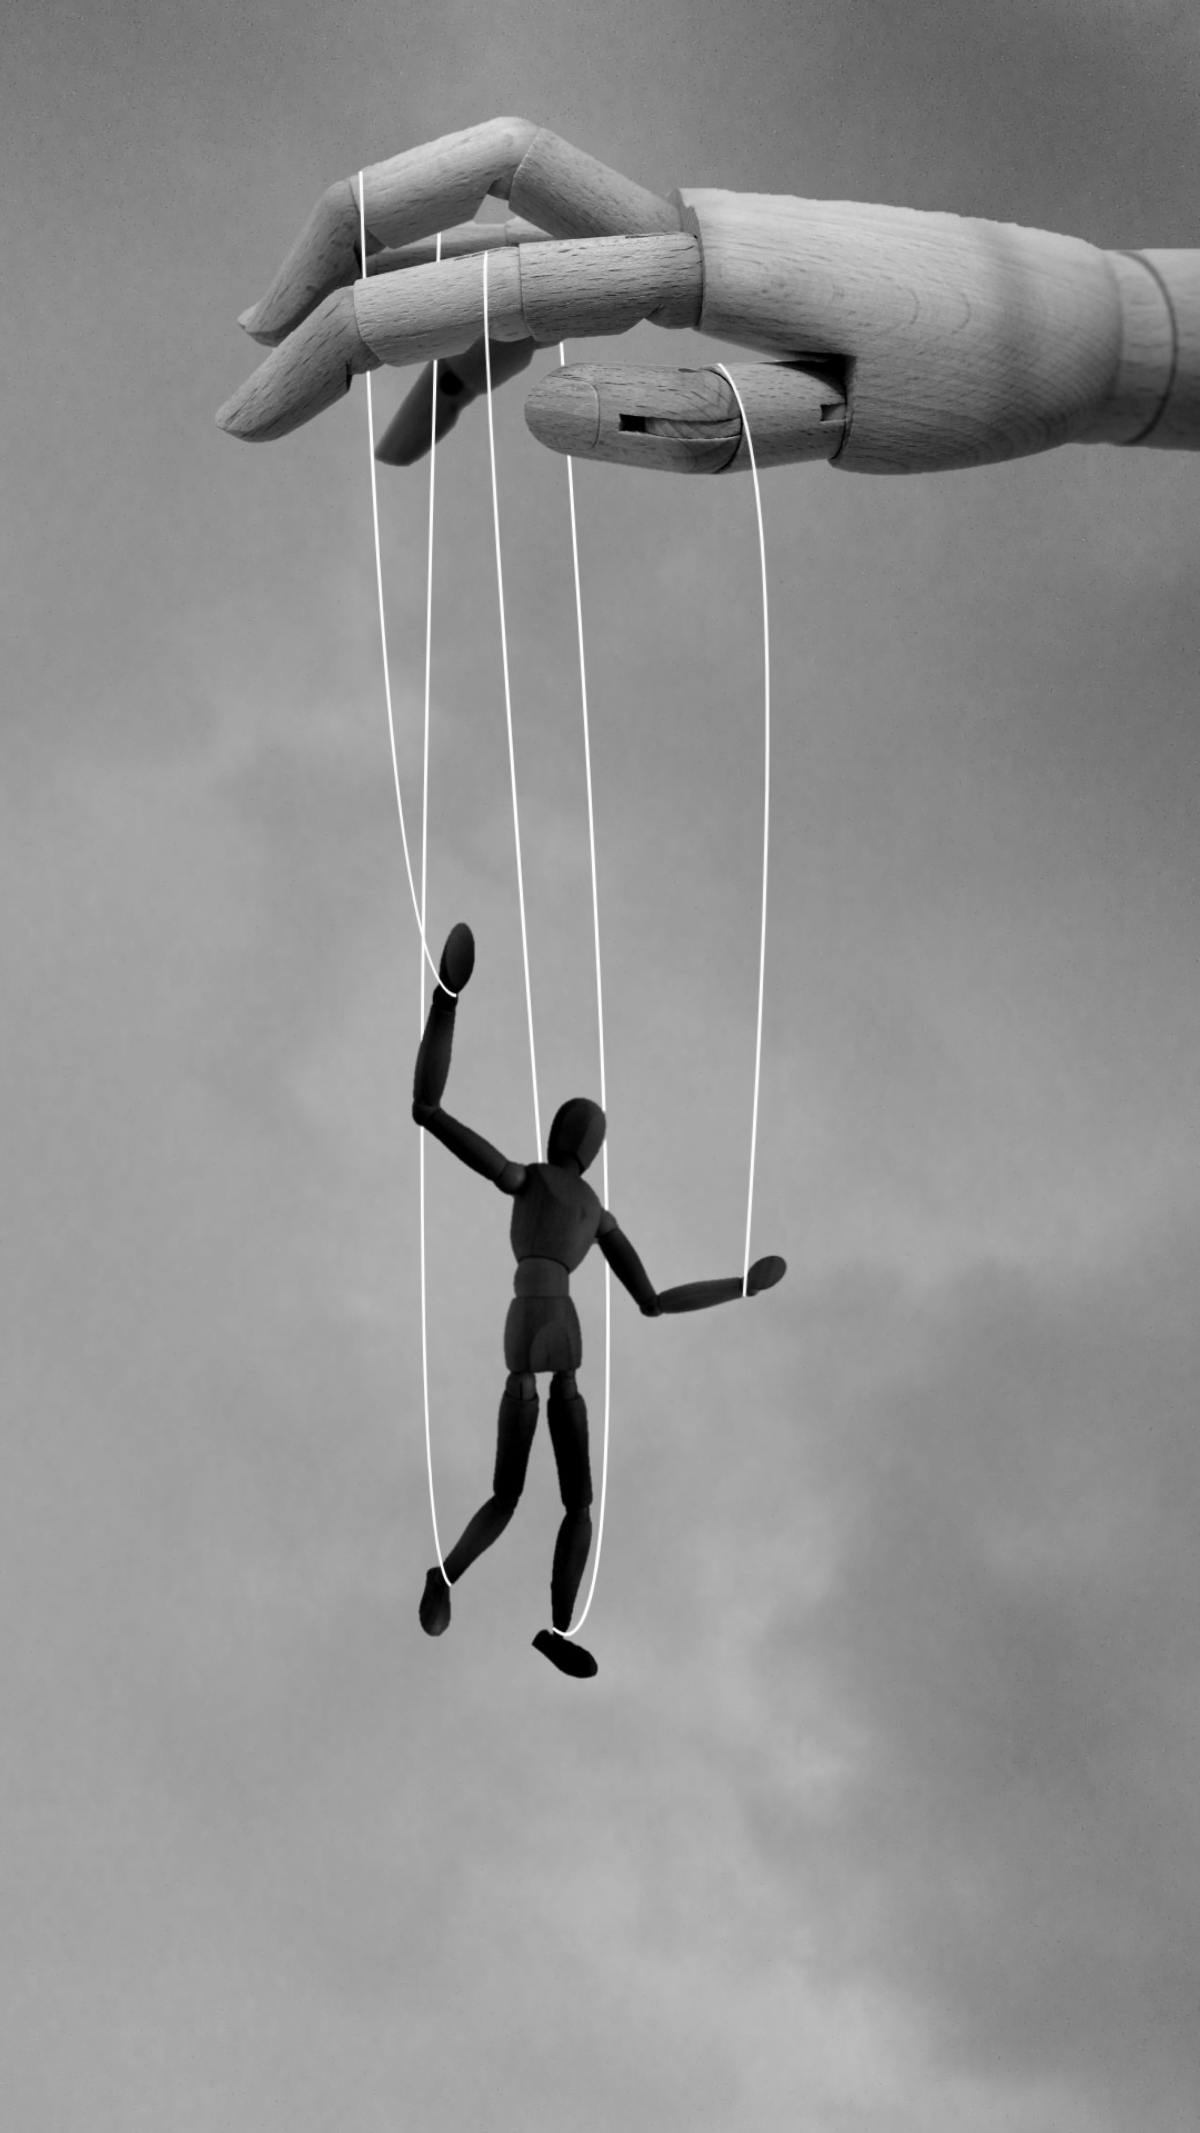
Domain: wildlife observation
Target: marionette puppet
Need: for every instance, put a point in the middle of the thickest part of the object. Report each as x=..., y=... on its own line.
x=897, y=341
x=556, y=1219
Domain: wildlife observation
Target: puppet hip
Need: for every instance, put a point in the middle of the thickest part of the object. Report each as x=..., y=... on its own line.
x=542, y=1333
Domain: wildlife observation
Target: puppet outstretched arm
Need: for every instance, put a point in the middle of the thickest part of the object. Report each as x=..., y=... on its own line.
x=692, y=1295
x=433, y=1069
x=698, y=1295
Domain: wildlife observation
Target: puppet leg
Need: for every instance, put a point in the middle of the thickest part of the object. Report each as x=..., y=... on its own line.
x=514, y=1437
x=567, y=1416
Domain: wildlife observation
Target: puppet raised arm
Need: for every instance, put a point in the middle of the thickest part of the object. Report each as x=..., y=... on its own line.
x=898, y=341
x=692, y=1295
x=433, y=1068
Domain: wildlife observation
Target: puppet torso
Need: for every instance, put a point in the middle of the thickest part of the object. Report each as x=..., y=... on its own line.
x=556, y=1215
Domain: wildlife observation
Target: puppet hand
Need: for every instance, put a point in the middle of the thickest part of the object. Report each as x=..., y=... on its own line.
x=764, y=1274
x=458, y=958
x=903, y=342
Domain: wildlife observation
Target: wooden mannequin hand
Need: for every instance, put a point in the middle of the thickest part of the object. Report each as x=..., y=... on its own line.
x=764, y=1274
x=902, y=341
x=457, y=958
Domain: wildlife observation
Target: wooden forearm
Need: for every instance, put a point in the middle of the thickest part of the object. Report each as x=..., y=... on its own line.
x=966, y=341
x=699, y=1295
x=433, y=1055
x=1159, y=373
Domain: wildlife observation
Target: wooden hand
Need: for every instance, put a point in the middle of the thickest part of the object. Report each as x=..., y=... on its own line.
x=903, y=342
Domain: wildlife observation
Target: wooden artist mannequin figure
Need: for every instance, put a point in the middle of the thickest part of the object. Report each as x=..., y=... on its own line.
x=556, y=1219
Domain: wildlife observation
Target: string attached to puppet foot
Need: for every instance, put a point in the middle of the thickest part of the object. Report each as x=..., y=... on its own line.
x=567, y=1656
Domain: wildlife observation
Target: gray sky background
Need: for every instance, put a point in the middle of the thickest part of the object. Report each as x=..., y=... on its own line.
x=881, y=1815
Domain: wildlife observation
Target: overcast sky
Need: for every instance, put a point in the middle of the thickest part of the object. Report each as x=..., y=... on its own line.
x=881, y=1814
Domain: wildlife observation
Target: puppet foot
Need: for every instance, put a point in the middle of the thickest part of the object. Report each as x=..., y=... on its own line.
x=435, y=1603
x=565, y=1654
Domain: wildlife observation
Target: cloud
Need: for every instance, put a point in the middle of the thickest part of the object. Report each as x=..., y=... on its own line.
x=1005, y=1653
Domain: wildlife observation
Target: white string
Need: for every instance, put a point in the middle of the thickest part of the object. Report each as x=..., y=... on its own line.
x=420, y=966
x=587, y=763
x=521, y=887
x=512, y=761
x=762, y=941
x=387, y=684
x=419, y=908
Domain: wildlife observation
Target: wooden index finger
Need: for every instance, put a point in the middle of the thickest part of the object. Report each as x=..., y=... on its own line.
x=543, y=293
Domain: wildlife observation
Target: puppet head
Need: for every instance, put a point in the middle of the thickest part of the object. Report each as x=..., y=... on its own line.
x=577, y=1132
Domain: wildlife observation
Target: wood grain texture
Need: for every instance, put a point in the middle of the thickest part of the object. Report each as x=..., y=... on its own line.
x=794, y=413
x=546, y=292
x=443, y=181
x=968, y=341
x=957, y=341
x=1178, y=426
x=463, y=240
x=570, y=194
x=687, y=421
x=460, y=381
x=309, y=372
x=1138, y=392
x=324, y=257
x=608, y=284
x=438, y=310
